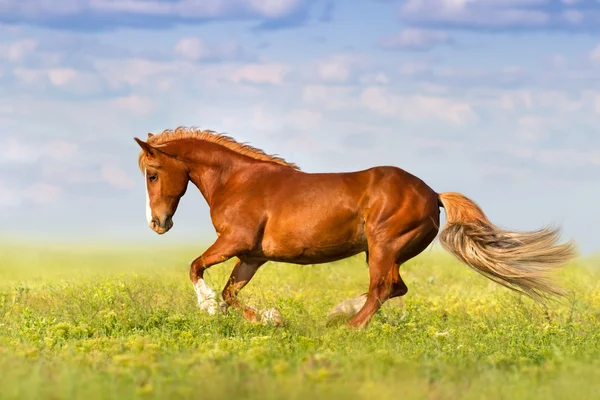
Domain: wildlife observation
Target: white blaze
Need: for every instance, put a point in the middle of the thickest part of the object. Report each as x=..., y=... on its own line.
x=148, y=209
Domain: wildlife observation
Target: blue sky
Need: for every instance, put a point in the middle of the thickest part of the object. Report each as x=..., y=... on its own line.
x=498, y=99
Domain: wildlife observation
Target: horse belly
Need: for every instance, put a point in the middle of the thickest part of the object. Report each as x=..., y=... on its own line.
x=315, y=241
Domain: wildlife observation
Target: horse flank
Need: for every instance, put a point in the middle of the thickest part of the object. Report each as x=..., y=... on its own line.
x=169, y=135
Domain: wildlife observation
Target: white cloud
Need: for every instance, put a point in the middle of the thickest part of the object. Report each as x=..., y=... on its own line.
x=40, y=11
x=191, y=48
x=136, y=71
x=472, y=77
x=42, y=193
x=334, y=71
x=558, y=61
x=328, y=97
x=183, y=75
x=274, y=8
x=416, y=39
x=531, y=128
x=17, y=51
x=114, y=175
x=438, y=144
x=65, y=175
x=195, y=49
x=573, y=16
x=555, y=101
x=414, y=68
x=109, y=172
x=512, y=100
x=479, y=13
x=28, y=75
x=37, y=8
x=196, y=8
x=61, y=76
x=262, y=119
x=374, y=78
x=10, y=29
x=33, y=116
x=133, y=103
x=8, y=196
x=596, y=103
x=512, y=173
x=60, y=149
x=37, y=193
x=268, y=73
x=559, y=158
x=303, y=119
x=17, y=152
x=7, y=109
x=380, y=101
x=384, y=102
x=336, y=68
x=595, y=54
x=265, y=119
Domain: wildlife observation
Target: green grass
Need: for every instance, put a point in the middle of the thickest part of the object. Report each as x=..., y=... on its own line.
x=123, y=323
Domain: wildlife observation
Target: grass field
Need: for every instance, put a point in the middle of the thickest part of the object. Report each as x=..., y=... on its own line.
x=91, y=323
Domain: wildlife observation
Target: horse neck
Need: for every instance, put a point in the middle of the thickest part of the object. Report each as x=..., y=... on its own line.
x=212, y=166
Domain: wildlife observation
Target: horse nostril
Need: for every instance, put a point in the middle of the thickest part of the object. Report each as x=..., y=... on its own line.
x=154, y=222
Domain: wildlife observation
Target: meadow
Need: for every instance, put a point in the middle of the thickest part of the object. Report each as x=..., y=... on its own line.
x=91, y=322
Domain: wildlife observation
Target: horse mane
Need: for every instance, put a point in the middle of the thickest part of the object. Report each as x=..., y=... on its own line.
x=220, y=139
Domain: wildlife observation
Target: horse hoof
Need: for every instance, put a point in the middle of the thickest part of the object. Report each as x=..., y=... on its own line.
x=271, y=316
x=223, y=307
x=210, y=306
x=344, y=311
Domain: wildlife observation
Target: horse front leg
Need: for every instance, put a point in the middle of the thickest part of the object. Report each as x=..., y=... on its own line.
x=222, y=249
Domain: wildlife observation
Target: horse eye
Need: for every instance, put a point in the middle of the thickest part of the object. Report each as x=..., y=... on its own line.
x=153, y=178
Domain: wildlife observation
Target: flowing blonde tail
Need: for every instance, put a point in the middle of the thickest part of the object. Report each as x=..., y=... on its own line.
x=519, y=261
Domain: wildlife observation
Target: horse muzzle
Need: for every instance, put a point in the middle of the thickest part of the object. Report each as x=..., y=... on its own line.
x=163, y=226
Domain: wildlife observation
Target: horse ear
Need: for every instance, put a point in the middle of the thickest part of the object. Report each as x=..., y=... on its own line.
x=149, y=135
x=148, y=149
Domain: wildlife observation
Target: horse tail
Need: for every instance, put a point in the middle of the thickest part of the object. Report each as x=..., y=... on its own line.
x=519, y=261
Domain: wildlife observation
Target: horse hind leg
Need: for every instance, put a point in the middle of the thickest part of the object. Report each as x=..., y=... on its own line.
x=241, y=275
x=384, y=273
x=345, y=310
x=381, y=265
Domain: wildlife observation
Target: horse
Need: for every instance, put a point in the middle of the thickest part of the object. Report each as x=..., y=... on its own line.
x=264, y=208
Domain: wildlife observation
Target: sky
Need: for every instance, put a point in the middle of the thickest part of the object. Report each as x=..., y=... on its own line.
x=497, y=99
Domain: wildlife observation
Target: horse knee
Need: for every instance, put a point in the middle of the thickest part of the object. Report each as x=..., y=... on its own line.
x=196, y=269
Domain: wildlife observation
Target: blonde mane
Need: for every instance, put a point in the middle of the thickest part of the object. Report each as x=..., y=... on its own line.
x=220, y=139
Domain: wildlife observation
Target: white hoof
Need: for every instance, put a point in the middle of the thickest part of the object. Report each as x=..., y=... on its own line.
x=346, y=310
x=212, y=306
x=207, y=299
x=209, y=305
x=271, y=316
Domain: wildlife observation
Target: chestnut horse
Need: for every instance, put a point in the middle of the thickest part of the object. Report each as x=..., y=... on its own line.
x=264, y=208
